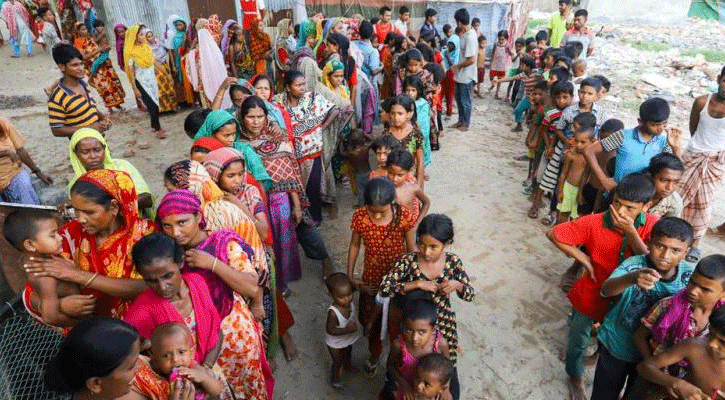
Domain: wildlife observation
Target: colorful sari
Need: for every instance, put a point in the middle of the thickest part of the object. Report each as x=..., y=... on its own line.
x=167, y=93
x=259, y=44
x=229, y=27
x=105, y=80
x=112, y=258
x=242, y=354
x=119, y=47
x=155, y=387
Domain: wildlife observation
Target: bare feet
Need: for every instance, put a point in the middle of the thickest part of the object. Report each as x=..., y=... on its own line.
x=160, y=134
x=288, y=346
x=576, y=388
x=497, y=97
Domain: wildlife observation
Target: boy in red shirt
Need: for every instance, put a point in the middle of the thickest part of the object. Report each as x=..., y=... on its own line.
x=608, y=239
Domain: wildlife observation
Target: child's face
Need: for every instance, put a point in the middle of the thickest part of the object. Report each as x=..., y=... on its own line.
x=172, y=351
x=579, y=69
x=666, y=252
x=626, y=207
x=716, y=343
x=47, y=241
x=411, y=91
x=198, y=156
x=582, y=140
x=48, y=16
x=405, y=17
x=587, y=95
x=417, y=333
x=381, y=156
x=562, y=100
x=262, y=89
x=537, y=96
x=430, y=248
x=397, y=175
x=475, y=26
x=482, y=44
x=653, y=128
x=414, y=66
x=385, y=17
x=666, y=182
x=379, y=213
x=704, y=292
x=501, y=41
x=549, y=61
x=542, y=44
x=519, y=47
x=428, y=384
x=337, y=77
x=233, y=176
x=342, y=295
x=399, y=116
x=563, y=7
x=602, y=92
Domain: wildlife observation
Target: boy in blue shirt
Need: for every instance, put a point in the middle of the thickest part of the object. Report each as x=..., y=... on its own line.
x=635, y=147
x=639, y=282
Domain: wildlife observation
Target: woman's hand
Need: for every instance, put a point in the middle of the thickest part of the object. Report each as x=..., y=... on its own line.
x=447, y=287
x=297, y=214
x=199, y=259
x=78, y=305
x=56, y=267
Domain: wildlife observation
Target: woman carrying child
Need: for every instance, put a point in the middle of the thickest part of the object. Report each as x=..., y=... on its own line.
x=436, y=271
x=105, y=80
x=224, y=259
x=386, y=230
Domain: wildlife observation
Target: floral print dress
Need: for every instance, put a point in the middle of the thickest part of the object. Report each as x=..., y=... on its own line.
x=407, y=269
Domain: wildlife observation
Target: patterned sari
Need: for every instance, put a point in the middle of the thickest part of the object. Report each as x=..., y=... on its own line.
x=112, y=258
x=105, y=80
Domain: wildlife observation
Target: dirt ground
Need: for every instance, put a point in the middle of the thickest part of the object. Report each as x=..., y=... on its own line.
x=512, y=334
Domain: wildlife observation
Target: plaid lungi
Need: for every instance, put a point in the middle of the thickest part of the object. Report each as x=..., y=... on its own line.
x=703, y=173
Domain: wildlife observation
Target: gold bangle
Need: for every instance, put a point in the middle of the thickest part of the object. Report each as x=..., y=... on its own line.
x=88, y=282
x=213, y=266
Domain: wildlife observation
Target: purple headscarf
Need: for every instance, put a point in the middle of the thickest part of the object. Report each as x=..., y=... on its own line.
x=225, y=35
x=180, y=201
x=119, y=46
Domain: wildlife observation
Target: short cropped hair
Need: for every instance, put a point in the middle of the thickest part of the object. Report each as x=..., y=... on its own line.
x=611, y=125
x=337, y=280
x=476, y=20
x=542, y=35
x=675, y=228
x=430, y=12
x=637, y=187
x=63, y=53
x=462, y=16
x=606, y=84
x=22, y=224
x=592, y=82
x=384, y=9
x=562, y=74
x=717, y=319
x=655, y=109
x=403, y=9
x=712, y=267
x=585, y=120
x=562, y=87
x=528, y=61
x=438, y=364
x=385, y=142
x=581, y=13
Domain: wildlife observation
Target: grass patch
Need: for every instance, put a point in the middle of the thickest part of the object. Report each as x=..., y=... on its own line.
x=710, y=55
x=648, y=45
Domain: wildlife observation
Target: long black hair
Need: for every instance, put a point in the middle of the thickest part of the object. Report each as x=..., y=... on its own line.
x=344, y=43
x=380, y=191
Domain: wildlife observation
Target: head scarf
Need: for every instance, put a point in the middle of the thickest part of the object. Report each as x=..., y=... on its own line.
x=180, y=201
x=283, y=28
x=201, y=24
x=171, y=31
x=213, y=72
x=119, y=46
x=225, y=35
x=208, y=143
x=219, y=159
x=215, y=120
x=140, y=53
x=214, y=25
x=331, y=24
x=330, y=67
x=108, y=162
x=309, y=28
x=259, y=41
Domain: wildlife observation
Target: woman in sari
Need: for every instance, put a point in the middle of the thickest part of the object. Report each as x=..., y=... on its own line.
x=239, y=57
x=167, y=94
x=312, y=116
x=119, y=30
x=97, y=243
x=260, y=46
x=214, y=26
x=223, y=258
x=205, y=66
x=141, y=72
x=228, y=31
x=18, y=19
x=284, y=47
x=304, y=60
x=88, y=151
x=105, y=80
x=176, y=32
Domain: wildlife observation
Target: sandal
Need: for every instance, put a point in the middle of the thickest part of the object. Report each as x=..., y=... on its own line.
x=371, y=369
x=549, y=220
x=533, y=213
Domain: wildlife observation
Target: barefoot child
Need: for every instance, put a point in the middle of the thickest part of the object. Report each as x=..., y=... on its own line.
x=414, y=89
x=499, y=59
x=481, y=63
x=537, y=136
x=171, y=368
x=103, y=45
x=419, y=337
x=638, y=283
x=342, y=327
x=608, y=238
x=386, y=230
x=434, y=376
x=573, y=174
x=407, y=192
x=519, y=48
x=382, y=146
x=528, y=77
x=705, y=378
x=34, y=233
x=401, y=113
x=593, y=192
x=436, y=271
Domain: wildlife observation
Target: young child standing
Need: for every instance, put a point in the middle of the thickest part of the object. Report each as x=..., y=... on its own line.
x=600, y=242
x=573, y=174
x=481, y=63
x=34, y=233
x=450, y=58
x=528, y=77
x=49, y=32
x=536, y=138
x=103, y=44
x=401, y=112
x=382, y=146
x=386, y=230
x=434, y=377
x=414, y=89
x=432, y=269
x=407, y=192
x=666, y=170
x=638, y=283
x=342, y=327
x=419, y=337
x=519, y=48
x=171, y=367
x=499, y=58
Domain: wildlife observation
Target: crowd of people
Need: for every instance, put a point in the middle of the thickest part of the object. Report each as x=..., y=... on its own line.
x=193, y=285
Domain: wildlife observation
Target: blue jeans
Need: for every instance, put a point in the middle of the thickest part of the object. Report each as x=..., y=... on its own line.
x=521, y=109
x=463, y=100
x=16, y=46
x=580, y=329
x=20, y=190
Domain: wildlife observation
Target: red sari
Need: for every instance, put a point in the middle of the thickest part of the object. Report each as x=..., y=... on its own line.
x=112, y=258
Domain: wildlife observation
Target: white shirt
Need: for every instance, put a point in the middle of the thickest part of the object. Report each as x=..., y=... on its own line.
x=469, y=48
x=402, y=26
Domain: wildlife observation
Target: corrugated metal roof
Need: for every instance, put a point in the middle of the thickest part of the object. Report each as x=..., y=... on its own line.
x=153, y=14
